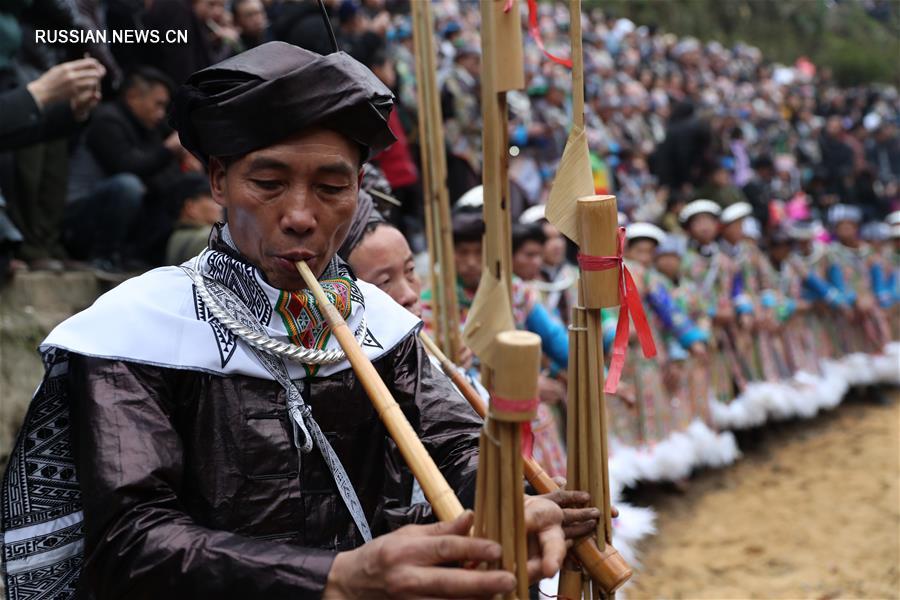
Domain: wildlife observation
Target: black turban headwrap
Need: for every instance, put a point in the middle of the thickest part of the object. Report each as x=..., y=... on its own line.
x=265, y=94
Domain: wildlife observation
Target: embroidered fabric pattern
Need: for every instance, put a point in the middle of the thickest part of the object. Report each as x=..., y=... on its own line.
x=302, y=318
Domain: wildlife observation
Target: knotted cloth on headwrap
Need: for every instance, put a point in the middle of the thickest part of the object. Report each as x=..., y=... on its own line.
x=265, y=94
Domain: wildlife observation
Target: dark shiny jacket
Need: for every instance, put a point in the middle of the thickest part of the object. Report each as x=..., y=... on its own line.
x=192, y=487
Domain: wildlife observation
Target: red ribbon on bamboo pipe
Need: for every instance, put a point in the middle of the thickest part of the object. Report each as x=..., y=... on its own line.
x=630, y=305
x=535, y=32
x=524, y=406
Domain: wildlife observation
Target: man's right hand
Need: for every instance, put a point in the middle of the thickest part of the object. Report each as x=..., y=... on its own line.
x=67, y=81
x=408, y=564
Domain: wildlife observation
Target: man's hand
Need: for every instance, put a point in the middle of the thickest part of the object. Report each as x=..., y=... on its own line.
x=407, y=563
x=551, y=391
x=546, y=540
x=579, y=519
x=84, y=103
x=67, y=81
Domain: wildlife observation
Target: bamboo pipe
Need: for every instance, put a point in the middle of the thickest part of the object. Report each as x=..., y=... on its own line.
x=577, y=63
x=422, y=47
x=444, y=226
x=439, y=493
x=603, y=566
x=570, y=583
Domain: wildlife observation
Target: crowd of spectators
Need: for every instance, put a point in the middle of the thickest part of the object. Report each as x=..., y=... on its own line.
x=92, y=176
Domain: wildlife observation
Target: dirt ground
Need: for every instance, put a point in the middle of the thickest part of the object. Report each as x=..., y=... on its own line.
x=811, y=511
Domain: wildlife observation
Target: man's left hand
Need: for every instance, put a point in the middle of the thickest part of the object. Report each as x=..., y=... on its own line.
x=579, y=519
x=579, y=516
x=546, y=540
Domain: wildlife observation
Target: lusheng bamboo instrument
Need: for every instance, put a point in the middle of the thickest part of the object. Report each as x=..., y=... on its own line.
x=596, y=563
x=587, y=433
x=500, y=495
x=586, y=426
x=439, y=493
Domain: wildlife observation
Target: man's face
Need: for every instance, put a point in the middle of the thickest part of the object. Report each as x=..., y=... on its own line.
x=290, y=201
x=201, y=210
x=148, y=103
x=210, y=10
x=383, y=258
x=703, y=228
x=641, y=251
x=467, y=256
x=250, y=18
x=527, y=260
x=555, y=246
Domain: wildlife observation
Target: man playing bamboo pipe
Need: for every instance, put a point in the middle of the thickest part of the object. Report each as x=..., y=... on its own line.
x=196, y=464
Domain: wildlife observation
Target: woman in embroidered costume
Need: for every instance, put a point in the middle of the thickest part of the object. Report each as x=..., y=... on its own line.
x=713, y=275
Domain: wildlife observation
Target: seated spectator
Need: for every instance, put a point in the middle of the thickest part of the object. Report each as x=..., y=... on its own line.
x=556, y=282
x=50, y=107
x=197, y=213
x=397, y=161
x=123, y=155
x=251, y=21
x=720, y=189
x=528, y=250
x=383, y=258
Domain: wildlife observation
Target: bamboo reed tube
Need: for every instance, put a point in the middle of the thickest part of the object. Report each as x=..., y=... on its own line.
x=481, y=489
x=444, y=502
x=572, y=407
x=519, y=517
x=577, y=63
x=492, y=485
x=507, y=501
x=584, y=423
x=597, y=485
x=570, y=582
